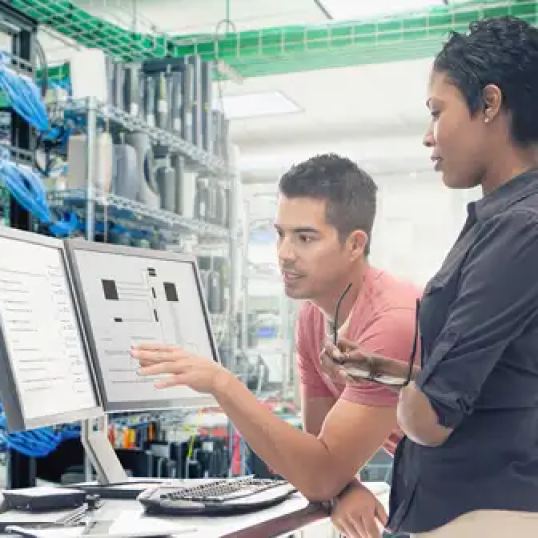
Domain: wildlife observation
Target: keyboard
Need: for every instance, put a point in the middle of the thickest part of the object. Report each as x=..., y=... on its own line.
x=216, y=497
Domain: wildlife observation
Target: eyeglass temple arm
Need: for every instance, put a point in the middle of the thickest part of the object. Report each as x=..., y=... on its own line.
x=336, y=312
x=415, y=343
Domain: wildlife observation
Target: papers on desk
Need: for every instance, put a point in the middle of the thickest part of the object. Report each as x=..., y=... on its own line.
x=128, y=524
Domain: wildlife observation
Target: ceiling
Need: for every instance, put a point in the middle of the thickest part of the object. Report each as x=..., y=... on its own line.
x=261, y=38
x=373, y=113
x=190, y=17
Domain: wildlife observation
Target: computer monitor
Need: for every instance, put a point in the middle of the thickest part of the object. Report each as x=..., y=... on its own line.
x=131, y=295
x=45, y=375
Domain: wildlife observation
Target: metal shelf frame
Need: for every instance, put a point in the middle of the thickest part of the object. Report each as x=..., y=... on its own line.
x=133, y=209
x=197, y=157
x=95, y=110
x=22, y=31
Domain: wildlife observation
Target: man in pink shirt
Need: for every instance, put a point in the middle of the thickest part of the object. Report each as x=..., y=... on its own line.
x=324, y=222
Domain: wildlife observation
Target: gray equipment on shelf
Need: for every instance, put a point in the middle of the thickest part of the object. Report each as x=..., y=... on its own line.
x=228, y=196
x=188, y=194
x=178, y=164
x=196, y=63
x=132, y=89
x=202, y=200
x=216, y=120
x=188, y=96
x=110, y=66
x=224, y=137
x=221, y=266
x=167, y=185
x=220, y=204
x=207, y=106
x=149, y=190
x=161, y=104
x=211, y=186
x=214, y=296
x=126, y=173
x=149, y=101
x=175, y=103
x=175, y=94
x=119, y=83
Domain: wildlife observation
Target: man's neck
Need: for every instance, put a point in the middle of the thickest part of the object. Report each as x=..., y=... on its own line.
x=327, y=304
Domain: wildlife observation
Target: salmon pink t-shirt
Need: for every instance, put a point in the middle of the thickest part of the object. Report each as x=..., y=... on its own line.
x=382, y=321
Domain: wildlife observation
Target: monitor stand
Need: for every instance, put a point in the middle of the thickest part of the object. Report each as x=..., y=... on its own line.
x=112, y=480
x=94, y=438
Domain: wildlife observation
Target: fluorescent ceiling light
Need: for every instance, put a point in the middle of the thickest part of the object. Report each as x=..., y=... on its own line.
x=253, y=105
x=348, y=10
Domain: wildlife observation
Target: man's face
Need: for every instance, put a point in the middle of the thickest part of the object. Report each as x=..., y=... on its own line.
x=313, y=261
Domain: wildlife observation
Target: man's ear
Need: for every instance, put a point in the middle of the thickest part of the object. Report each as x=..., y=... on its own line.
x=357, y=241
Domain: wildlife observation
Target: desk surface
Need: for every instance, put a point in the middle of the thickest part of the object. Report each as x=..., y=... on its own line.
x=294, y=514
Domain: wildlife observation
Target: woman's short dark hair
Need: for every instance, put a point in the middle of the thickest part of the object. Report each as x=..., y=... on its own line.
x=349, y=191
x=501, y=51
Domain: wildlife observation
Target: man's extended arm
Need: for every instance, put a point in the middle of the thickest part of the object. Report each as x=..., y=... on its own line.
x=315, y=411
x=320, y=467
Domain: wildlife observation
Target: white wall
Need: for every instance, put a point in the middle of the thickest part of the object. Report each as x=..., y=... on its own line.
x=418, y=220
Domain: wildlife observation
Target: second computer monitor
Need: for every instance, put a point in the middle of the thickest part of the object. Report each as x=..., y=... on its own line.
x=129, y=296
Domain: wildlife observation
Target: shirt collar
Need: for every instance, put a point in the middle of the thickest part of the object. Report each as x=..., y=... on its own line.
x=512, y=192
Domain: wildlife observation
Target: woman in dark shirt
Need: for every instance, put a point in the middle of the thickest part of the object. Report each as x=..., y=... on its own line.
x=468, y=465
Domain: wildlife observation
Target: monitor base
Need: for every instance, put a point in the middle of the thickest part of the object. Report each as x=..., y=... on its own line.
x=100, y=453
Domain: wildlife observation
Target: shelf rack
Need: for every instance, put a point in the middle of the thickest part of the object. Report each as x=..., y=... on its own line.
x=18, y=30
x=90, y=202
x=115, y=207
x=197, y=157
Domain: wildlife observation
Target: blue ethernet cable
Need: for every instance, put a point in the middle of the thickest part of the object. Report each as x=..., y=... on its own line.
x=27, y=188
x=24, y=185
x=24, y=95
x=33, y=444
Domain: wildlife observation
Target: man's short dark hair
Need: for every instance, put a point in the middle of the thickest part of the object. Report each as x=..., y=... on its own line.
x=501, y=51
x=349, y=191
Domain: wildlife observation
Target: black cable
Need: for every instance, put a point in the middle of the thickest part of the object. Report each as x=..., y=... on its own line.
x=44, y=68
x=323, y=9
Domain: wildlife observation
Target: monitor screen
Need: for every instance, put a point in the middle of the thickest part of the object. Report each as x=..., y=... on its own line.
x=132, y=295
x=45, y=377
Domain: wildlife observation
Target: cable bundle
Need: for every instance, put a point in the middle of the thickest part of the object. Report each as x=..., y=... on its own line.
x=24, y=95
x=23, y=184
x=33, y=444
x=37, y=443
x=27, y=188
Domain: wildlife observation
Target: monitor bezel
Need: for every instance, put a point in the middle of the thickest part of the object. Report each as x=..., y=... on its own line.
x=9, y=388
x=194, y=402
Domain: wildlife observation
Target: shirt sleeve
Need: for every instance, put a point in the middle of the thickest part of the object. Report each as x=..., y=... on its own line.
x=313, y=384
x=391, y=335
x=498, y=295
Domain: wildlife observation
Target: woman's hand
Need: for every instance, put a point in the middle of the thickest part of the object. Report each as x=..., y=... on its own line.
x=183, y=368
x=335, y=360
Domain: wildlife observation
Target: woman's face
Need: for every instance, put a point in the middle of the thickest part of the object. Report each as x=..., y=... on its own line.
x=457, y=139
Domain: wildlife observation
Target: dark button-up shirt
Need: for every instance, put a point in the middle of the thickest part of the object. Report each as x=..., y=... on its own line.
x=479, y=330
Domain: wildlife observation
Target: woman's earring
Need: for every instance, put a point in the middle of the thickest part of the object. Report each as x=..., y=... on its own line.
x=486, y=120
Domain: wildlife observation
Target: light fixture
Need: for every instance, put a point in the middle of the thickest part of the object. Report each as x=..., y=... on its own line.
x=346, y=10
x=254, y=105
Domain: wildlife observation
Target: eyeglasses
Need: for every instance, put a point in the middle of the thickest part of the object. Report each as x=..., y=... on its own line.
x=375, y=373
